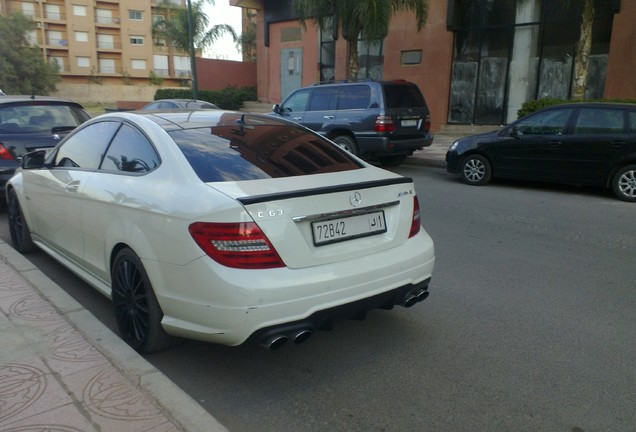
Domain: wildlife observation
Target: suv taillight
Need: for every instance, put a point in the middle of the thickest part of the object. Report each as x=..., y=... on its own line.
x=4, y=153
x=416, y=221
x=427, y=123
x=239, y=245
x=384, y=124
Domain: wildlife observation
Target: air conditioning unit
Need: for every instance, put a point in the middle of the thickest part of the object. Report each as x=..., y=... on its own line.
x=43, y=25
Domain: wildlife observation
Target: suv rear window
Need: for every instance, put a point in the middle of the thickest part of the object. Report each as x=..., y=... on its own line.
x=259, y=151
x=403, y=96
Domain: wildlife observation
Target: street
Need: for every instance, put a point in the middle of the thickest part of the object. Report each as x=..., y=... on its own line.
x=529, y=327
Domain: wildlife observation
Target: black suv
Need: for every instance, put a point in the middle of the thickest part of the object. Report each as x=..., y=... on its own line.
x=30, y=123
x=380, y=120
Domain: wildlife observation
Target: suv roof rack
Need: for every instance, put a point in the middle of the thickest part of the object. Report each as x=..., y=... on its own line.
x=344, y=81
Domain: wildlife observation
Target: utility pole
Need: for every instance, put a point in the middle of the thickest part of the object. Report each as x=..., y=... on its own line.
x=193, y=60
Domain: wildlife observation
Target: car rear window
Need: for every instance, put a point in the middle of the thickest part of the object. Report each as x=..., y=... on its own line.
x=39, y=117
x=233, y=152
x=403, y=96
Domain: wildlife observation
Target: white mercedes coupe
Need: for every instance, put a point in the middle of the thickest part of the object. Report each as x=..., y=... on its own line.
x=221, y=226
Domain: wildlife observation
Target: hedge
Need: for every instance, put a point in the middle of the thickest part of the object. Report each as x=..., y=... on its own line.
x=535, y=105
x=230, y=98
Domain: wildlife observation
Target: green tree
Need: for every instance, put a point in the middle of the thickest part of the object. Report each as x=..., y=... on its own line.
x=23, y=69
x=358, y=19
x=173, y=27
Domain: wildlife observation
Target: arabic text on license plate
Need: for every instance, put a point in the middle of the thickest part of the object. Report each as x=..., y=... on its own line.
x=409, y=123
x=347, y=228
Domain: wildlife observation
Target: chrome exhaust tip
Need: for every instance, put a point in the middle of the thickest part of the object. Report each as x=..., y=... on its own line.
x=301, y=336
x=272, y=343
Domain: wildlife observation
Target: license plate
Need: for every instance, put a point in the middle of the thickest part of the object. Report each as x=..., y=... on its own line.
x=409, y=123
x=348, y=228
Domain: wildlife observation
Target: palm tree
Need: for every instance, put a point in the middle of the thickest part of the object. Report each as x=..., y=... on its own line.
x=365, y=19
x=583, y=49
x=173, y=27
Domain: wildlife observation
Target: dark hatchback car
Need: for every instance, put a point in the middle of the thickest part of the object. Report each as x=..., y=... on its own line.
x=379, y=120
x=581, y=144
x=29, y=123
x=169, y=104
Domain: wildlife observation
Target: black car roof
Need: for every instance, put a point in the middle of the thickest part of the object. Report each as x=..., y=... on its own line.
x=23, y=98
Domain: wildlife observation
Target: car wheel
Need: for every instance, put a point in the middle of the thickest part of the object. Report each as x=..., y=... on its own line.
x=391, y=161
x=475, y=170
x=347, y=143
x=624, y=183
x=18, y=228
x=136, y=308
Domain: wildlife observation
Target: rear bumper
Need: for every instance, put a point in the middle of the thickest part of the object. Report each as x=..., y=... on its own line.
x=230, y=307
x=390, y=145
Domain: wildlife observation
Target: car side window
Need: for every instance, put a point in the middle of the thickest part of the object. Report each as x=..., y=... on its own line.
x=324, y=99
x=297, y=102
x=551, y=122
x=130, y=152
x=354, y=97
x=85, y=148
x=632, y=122
x=601, y=121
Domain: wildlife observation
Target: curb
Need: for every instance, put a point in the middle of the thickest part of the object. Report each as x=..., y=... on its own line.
x=173, y=401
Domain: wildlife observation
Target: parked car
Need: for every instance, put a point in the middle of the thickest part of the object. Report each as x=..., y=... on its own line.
x=28, y=123
x=582, y=144
x=168, y=104
x=382, y=120
x=222, y=226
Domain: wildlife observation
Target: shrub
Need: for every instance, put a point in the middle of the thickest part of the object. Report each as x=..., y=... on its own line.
x=230, y=98
x=535, y=105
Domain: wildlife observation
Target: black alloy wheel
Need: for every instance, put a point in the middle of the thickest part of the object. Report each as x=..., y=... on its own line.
x=18, y=228
x=136, y=308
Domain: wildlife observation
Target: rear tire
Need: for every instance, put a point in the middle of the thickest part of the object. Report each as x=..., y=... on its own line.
x=347, y=143
x=20, y=233
x=475, y=170
x=136, y=308
x=624, y=183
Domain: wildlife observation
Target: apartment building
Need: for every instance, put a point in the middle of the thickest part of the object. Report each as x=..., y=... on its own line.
x=104, y=41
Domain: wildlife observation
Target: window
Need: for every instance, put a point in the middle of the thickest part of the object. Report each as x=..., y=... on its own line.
x=632, y=122
x=297, y=102
x=136, y=40
x=354, y=97
x=83, y=62
x=28, y=9
x=138, y=64
x=81, y=36
x=105, y=41
x=59, y=61
x=86, y=148
x=411, y=57
x=599, y=121
x=552, y=122
x=52, y=12
x=107, y=65
x=323, y=99
x=79, y=10
x=130, y=152
x=181, y=65
x=135, y=15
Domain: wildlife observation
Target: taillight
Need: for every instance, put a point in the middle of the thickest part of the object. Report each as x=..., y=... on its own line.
x=4, y=153
x=384, y=124
x=427, y=123
x=239, y=245
x=416, y=221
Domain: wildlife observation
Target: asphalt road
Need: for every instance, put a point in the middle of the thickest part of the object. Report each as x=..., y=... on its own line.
x=529, y=327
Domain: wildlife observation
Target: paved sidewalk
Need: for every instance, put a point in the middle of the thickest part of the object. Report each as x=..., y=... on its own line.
x=61, y=370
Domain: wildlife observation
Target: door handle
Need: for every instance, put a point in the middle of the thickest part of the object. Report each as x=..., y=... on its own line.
x=328, y=117
x=72, y=186
x=298, y=118
x=555, y=143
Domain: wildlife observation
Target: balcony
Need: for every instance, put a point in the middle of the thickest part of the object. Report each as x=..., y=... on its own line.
x=103, y=21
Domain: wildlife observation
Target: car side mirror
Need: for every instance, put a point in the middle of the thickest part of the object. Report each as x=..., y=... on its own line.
x=34, y=159
x=276, y=108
